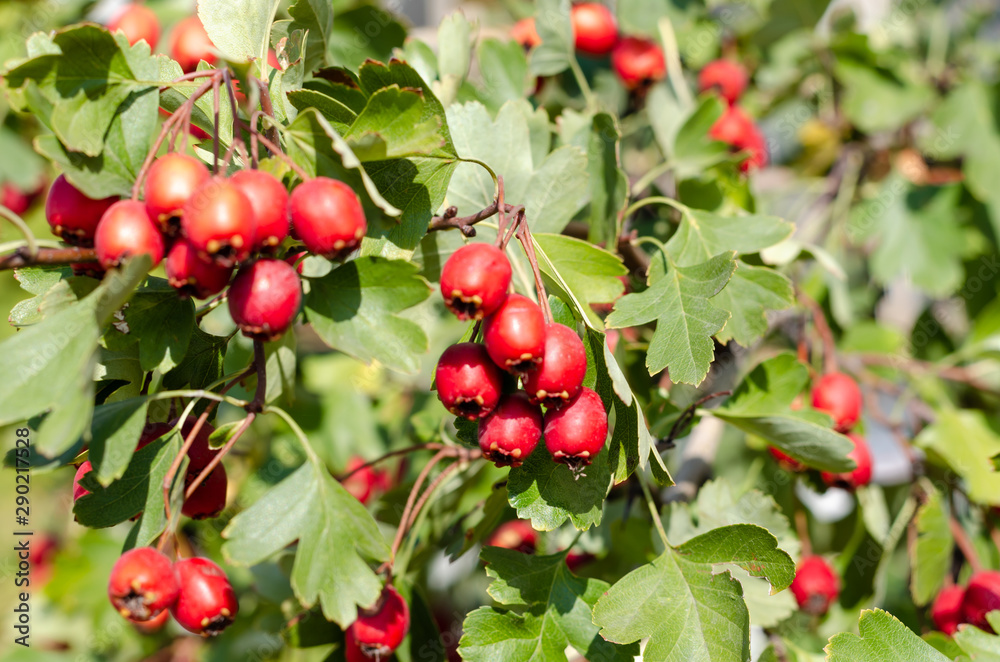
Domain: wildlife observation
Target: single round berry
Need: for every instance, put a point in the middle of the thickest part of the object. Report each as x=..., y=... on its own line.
x=191, y=275
x=81, y=471
x=142, y=584
x=269, y=200
x=170, y=183
x=352, y=649
x=40, y=558
x=727, y=77
x=575, y=433
x=265, y=298
x=209, y=498
x=327, y=216
x=380, y=630
x=733, y=126
x=755, y=147
x=206, y=603
x=638, y=62
x=190, y=44
x=862, y=474
x=138, y=23
x=982, y=596
x=787, y=462
x=14, y=199
x=594, y=29
x=514, y=334
x=815, y=586
x=200, y=453
x=468, y=382
x=839, y=396
x=72, y=215
x=475, y=280
x=946, y=611
x=559, y=378
x=515, y=534
x=219, y=222
x=510, y=433
x=525, y=33
x=126, y=230
x=364, y=483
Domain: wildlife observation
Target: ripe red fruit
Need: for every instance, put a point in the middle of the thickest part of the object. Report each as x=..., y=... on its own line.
x=514, y=334
x=515, y=534
x=137, y=22
x=72, y=215
x=81, y=471
x=787, y=462
x=193, y=276
x=126, y=230
x=269, y=200
x=726, y=76
x=40, y=554
x=575, y=433
x=142, y=584
x=525, y=33
x=380, y=630
x=860, y=475
x=170, y=183
x=815, y=586
x=209, y=498
x=219, y=222
x=474, y=281
x=560, y=376
x=153, y=625
x=594, y=29
x=14, y=199
x=735, y=128
x=839, y=396
x=638, y=62
x=265, y=298
x=365, y=483
x=352, y=649
x=327, y=216
x=468, y=382
x=946, y=611
x=190, y=44
x=982, y=596
x=206, y=603
x=509, y=434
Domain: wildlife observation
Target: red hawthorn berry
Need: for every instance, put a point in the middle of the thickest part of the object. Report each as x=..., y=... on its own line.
x=194, y=130
x=735, y=128
x=380, y=630
x=787, y=462
x=755, y=146
x=14, y=199
x=576, y=432
x=525, y=33
x=43, y=548
x=191, y=275
x=209, y=498
x=468, y=383
x=638, y=62
x=78, y=490
x=352, y=649
x=727, y=77
x=190, y=44
x=559, y=378
x=328, y=217
x=860, y=475
x=142, y=584
x=126, y=230
x=946, y=611
x=206, y=603
x=475, y=280
x=365, y=483
x=982, y=596
x=153, y=625
x=219, y=222
x=838, y=395
x=269, y=200
x=509, y=434
x=265, y=298
x=170, y=183
x=72, y=215
x=137, y=23
x=594, y=28
x=200, y=453
x=815, y=586
x=576, y=560
x=514, y=334
x=515, y=534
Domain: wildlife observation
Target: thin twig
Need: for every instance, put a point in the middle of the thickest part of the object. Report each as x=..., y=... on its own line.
x=217, y=458
x=22, y=257
x=389, y=455
x=401, y=531
x=685, y=417
x=825, y=334
x=523, y=235
x=964, y=544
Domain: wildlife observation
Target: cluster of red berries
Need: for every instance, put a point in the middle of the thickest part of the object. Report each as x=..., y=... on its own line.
x=549, y=359
x=955, y=605
x=144, y=584
x=378, y=631
x=839, y=396
x=735, y=127
x=189, y=43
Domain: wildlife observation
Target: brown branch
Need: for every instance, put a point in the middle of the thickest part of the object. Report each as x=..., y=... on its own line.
x=168, y=480
x=450, y=220
x=802, y=528
x=22, y=257
x=686, y=417
x=390, y=454
x=397, y=541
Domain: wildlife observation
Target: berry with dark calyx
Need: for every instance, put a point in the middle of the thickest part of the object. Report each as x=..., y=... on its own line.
x=946, y=611
x=206, y=603
x=594, y=29
x=514, y=334
x=190, y=44
x=525, y=33
x=72, y=215
x=786, y=461
x=138, y=23
x=475, y=280
x=638, y=62
x=269, y=200
x=265, y=298
x=191, y=275
x=838, y=395
x=859, y=476
x=126, y=230
x=509, y=434
x=365, y=483
x=327, y=216
x=170, y=183
x=815, y=586
x=727, y=77
x=209, y=498
x=559, y=378
x=982, y=595
x=153, y=625
x=219, y=222
x=380, y=630
x=468, y=383
x=515, y=534
x=142, y=584
x=576, y=432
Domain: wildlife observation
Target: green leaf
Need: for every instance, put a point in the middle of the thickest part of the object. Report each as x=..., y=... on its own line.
x=558, y=189
x=973, y=458
x=978, y=645
x=203, y=112
x=693, y=150
x=548, y=493
x=932, y=554
x=883, y=639
x=316, y=17
x=202, y=363
x=556, y=52
x=395, y=123
x=239, y=29
x=364, y=32
x=504, y=70
x=153, y=520
x=749, y=546
x=162, y=322
x=609, y=188
x=748, y=296
x=336, y=540
x=875, y=101
x=354, y=309
x=585, y=273
x=454, y=54
x=114, y=434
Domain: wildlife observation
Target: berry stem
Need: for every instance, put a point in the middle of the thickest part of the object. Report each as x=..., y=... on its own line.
x=243, y=427
x=390, y=454
x=168, y=480
x=260, y=361
x=450, y=220
x=825, y=334
x=965, y=544
x=802, y=528
x=686, y=417
x=23, y=257
x=523, y=235
x=653, y=511
x=216, y=103
x=410, y=500
x=18, y=222
x=274, y=149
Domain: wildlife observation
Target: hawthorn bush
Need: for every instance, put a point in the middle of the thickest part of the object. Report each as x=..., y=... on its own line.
x=656, y=330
